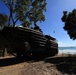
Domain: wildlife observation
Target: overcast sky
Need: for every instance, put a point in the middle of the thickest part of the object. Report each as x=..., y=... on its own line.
x=53, y=25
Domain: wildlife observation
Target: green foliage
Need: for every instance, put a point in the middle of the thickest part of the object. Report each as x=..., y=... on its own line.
x=30, y=11
x=69, y=20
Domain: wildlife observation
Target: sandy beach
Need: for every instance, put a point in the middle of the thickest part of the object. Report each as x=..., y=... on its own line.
x=57, y=65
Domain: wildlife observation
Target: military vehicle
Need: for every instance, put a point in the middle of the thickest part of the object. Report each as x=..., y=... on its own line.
x=24, y=41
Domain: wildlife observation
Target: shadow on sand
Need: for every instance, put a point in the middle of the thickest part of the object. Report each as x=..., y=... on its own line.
x=67, y=65
x=10, y=61
x=15, y=60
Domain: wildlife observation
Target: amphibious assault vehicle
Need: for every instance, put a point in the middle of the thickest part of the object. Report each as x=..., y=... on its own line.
x=24, y=41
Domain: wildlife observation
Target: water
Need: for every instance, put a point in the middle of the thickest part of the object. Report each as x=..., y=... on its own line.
x=67, y=50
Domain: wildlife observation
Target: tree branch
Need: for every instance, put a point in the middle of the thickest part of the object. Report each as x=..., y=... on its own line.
x=18, y=18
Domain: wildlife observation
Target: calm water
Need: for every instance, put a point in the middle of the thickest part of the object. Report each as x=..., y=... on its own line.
x=70, y=50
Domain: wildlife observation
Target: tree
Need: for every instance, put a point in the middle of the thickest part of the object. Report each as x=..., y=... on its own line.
x=25, y=11
x=3, y=19
x=69, y=20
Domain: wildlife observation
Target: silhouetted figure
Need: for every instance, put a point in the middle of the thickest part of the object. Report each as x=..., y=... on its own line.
x=37, y=28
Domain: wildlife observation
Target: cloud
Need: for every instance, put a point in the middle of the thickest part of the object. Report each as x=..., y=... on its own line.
x=60, y=44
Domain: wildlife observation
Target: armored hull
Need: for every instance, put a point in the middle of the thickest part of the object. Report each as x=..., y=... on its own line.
x=24, y=41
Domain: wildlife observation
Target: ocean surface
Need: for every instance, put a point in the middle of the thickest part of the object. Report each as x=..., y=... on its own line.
x=67, y=50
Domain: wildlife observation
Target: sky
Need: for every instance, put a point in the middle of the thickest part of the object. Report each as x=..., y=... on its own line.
x=53, y=25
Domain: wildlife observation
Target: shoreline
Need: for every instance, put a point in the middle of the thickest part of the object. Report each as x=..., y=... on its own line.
x=67, y=52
